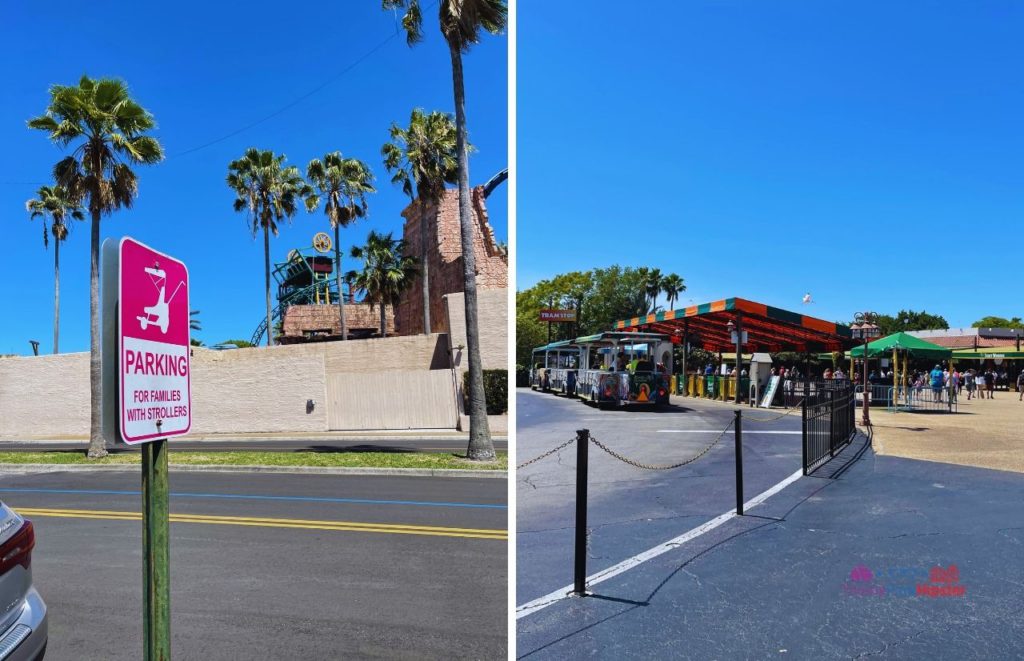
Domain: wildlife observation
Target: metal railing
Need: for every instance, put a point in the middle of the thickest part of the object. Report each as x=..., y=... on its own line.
x=829, y=421
x=923, y=398
x=908, y=398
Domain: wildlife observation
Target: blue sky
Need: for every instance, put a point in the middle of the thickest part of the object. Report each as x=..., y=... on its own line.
x=870, y=153
x=206, y=70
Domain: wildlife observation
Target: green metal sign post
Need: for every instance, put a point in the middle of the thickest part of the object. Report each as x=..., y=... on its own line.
x=147, y=399
x=156, y=553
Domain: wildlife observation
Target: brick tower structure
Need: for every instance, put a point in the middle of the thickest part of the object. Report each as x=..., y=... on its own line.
x=444, y=255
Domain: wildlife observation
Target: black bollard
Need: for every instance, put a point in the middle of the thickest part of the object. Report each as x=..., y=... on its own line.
x=580, y=568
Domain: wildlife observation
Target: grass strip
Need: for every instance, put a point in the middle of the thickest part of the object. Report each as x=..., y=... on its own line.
x=321, y=459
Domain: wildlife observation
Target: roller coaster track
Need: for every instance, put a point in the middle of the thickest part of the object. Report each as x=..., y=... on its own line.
x=305, y=294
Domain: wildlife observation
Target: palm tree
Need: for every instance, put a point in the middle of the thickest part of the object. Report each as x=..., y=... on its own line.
x=673, y=286
x=110, y=129
x=344, y=182
x=53, y=202
x=269, y=192
x=653, y=285
x=423, y=159
x=461, y=23
x=387, y=273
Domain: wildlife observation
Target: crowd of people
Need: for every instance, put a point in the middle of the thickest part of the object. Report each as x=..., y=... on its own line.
x=979, y=383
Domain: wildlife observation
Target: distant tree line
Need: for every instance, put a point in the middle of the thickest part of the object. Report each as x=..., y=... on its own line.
x=600, y=297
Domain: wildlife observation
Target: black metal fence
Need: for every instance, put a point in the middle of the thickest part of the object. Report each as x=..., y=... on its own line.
x=829, y=420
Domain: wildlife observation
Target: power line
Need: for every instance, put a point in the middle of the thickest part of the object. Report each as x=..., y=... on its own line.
x=362, y=58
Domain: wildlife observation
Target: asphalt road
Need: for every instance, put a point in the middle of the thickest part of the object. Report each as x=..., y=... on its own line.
x=296, y=567
x=630, y=509
x=368, y=444
x=827, y=568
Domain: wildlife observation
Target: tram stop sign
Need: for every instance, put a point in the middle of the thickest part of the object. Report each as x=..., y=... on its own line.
x=154, y=370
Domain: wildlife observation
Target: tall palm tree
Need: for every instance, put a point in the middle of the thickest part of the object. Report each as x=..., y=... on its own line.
x=653, y=286
x=269, y=192
x=423, y=158
x=109, y=129
x=387, y=273
x=673, y=286
x=462, y=22
x=344, y=182
x=53, y=203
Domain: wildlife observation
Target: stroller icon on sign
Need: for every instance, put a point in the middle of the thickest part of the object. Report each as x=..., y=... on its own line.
x=158, y=313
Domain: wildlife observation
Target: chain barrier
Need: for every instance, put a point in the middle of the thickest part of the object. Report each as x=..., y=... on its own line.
x=661, y=467
x=794, y=410
x=546, y=454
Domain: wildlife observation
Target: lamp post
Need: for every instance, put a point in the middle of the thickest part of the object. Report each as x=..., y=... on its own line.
x=865, y=328
x=736, y=335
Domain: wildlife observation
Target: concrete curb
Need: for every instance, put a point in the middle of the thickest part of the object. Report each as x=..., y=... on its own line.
x=308, y=470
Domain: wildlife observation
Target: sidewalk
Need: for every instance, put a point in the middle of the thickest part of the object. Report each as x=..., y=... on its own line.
x=498, y=426
x=985, y=433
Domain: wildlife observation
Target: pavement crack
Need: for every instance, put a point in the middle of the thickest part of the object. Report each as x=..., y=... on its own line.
x=915, y=534
x=887, y=646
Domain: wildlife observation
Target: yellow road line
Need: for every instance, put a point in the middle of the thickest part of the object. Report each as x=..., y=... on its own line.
x=350, y=526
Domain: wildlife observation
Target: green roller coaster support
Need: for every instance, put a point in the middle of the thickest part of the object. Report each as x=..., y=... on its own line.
x=323, y=287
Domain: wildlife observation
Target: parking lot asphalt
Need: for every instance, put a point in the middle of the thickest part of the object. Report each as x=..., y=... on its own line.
x=630, y=509
x=275, y=566
x=826, y=568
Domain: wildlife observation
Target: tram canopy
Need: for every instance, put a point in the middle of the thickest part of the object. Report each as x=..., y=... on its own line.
x=767, y=328
x=609, y=338
x=914, y=346
x=562, y=344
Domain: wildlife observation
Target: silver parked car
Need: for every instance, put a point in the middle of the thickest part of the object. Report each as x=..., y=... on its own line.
x=23, y=624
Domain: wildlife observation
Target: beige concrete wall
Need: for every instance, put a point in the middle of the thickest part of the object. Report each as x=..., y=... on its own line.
x=492, y=317
x=264, y=389
x=241, y=391
x=44, y=396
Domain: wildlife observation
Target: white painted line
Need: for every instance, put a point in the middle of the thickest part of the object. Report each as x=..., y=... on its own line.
x=629, y=563
x=719, y=431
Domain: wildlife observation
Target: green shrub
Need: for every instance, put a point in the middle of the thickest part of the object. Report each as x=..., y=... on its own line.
x=522, y=376
x=495, y=391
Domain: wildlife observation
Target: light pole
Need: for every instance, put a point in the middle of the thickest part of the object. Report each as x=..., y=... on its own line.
x=736, y=335
x=864, y=327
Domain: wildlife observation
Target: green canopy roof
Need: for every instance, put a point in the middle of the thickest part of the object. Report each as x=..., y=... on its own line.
x=915, y=346
x=987, y=353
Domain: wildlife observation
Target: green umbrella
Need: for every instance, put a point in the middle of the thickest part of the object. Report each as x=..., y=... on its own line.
x=904, y=342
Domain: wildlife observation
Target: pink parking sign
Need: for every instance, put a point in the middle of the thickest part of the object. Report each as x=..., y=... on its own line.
x=154, y=371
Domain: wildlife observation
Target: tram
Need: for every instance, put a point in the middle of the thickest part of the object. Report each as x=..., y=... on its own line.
x=623, y=369
x=554, y=367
